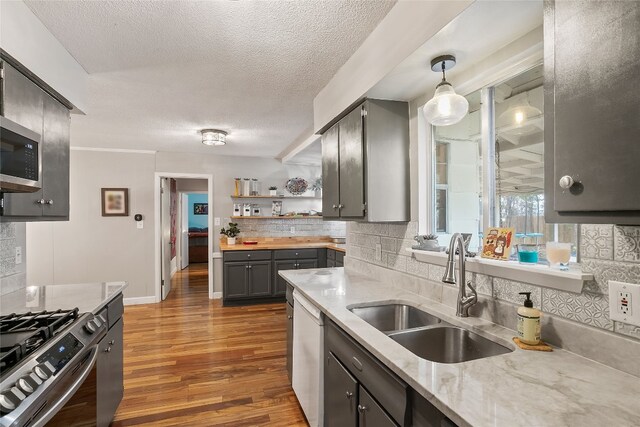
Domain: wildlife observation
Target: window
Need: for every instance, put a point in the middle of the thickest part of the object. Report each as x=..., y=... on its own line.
x=514, y=181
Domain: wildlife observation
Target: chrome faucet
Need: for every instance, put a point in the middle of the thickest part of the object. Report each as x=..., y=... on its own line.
x=464, y=301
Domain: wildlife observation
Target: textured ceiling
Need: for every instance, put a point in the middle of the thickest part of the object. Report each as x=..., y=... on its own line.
x=162, y=70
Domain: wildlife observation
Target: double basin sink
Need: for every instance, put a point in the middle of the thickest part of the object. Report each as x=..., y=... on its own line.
x=428, y=336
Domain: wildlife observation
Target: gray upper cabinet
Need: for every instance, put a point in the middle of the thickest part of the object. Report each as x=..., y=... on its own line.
x=28, y=105
x=365, y=163
x=592, y=111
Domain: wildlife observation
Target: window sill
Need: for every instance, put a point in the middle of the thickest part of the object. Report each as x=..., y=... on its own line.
x=540, y=275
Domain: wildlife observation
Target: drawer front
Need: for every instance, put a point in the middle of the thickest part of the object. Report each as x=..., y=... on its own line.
x=387, y=388
x=115, y=309
x=331, y=254
x=295, y=253
x=247, y=255
x=339, y=257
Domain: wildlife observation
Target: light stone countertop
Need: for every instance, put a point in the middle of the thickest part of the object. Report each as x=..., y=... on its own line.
x=87, y=297
x=521, y=388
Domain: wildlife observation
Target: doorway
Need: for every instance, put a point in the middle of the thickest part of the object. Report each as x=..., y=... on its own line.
x=179, y=243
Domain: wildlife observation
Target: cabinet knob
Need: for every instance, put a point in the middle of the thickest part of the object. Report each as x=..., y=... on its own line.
x=340, y=206
x=49, y=202
x=566, y=182
x=40, y=202
x=335, y=206
x=289, y=317
x=362, y=408
x=249, y=267
x=248, y=255
x=112, y=342
x=107, y=350
x=349, y=395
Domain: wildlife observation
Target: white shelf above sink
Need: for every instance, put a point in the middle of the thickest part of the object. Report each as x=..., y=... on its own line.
x=540, y=275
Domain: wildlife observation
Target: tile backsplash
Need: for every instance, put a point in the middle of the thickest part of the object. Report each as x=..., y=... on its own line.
x=609, y=252
x=12, y=276
x=282, y=227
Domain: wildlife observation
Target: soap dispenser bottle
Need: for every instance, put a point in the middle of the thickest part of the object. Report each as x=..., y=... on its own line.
x=528, y=322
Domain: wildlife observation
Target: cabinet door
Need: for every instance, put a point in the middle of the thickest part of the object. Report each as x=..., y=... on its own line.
x=55, y=159
x=280, y=285
x=307, y=263
x=370, y=414
x=259, y=278
x=330, y=172
x=22, y=102
x=352, y=165
x=340, y=394
x=236, y=280
x=331, y=263
x=289, y=340
x=109, y=374
x=595, y=126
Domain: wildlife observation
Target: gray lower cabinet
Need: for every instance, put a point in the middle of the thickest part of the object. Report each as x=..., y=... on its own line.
x=592, y=124
x=248, y=279
x=331, y=263
x=290, y=314
x=28, y=105
x=335, y=258
x=280, y=283
x=370, y=414
x=109, y=374
x=341, y=394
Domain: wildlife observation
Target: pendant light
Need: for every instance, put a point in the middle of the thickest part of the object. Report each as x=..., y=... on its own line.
x=446, y=107
x=518, y=116
x=213, y=137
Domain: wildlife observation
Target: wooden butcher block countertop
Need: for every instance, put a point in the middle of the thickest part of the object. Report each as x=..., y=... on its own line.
x=272, y=243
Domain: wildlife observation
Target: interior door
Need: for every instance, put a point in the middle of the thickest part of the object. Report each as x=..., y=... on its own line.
x=165, y=230
x=184, y=235
x=352, y=165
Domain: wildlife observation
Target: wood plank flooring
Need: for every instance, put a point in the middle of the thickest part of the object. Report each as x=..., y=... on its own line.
x=188, y=361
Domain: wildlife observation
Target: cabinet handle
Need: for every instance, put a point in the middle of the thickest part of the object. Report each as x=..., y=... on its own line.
x=49, y=202
x=349, y=395
x=40, y=202
x=362, y=408
x=566, y=182
x=356, y=363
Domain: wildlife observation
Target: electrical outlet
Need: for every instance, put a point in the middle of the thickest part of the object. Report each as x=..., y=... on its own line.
x=378, y=252
x=140, y=224
x=292, y=230
x=216, y=220
x=622, y=296
x=18, y=255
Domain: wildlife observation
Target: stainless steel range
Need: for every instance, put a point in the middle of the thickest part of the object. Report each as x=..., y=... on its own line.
x=45, y=359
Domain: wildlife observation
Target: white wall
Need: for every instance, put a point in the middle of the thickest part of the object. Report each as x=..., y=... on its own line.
x=25, y=38
x=93, y=248
x=405, y=28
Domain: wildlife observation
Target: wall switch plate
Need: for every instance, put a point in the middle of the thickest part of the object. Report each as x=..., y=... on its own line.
x=216, y=220
x=18, y=255
x=292, y=230
x=140, y=224
x=624, y=302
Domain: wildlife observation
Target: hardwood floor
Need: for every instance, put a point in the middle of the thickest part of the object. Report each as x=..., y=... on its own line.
x=189, y=361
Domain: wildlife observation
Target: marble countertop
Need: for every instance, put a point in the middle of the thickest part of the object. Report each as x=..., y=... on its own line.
x=87, y=297
x=282, y=245
x=521, y=388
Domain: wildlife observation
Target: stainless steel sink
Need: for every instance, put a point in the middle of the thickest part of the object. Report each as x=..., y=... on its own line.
x=448, y=344
x=395, y=317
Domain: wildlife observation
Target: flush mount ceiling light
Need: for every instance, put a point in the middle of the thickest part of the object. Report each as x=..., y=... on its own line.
x=213, y=137
x=446, y=107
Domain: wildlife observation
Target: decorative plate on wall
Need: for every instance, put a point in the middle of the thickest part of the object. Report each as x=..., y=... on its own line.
x=296, y=186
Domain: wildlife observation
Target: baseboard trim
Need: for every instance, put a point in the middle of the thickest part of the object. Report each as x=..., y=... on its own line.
x=217, y=295
x=139, y=300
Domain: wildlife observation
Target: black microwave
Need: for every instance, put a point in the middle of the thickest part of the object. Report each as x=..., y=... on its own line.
x=20, y=158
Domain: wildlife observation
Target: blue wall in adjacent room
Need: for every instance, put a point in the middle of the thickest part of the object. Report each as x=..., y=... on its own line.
x=199, y=221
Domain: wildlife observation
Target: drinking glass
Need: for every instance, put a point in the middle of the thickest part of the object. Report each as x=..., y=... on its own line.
x=559, y=255
x=527, y=254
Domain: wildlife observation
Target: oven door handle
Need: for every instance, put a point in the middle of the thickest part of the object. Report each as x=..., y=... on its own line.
x=60, y=402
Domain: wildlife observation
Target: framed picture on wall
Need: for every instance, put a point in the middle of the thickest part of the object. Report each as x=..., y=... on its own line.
x=201, y=208
x=115, y=202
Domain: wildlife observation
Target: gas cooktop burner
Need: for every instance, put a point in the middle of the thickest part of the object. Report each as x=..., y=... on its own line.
x=22, y=334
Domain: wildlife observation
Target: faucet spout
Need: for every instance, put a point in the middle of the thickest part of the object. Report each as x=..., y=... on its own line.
x=464, y=301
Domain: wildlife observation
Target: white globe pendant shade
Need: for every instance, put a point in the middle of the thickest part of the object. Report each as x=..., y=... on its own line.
x=446, y=107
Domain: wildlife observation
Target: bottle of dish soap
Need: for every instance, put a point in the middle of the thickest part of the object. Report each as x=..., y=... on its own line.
x=528, y=322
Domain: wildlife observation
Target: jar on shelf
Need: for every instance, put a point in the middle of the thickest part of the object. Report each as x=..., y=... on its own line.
x=246, y=187
x=237, y=191
x=255, y=187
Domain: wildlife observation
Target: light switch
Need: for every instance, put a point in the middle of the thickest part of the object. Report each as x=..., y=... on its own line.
x=18, y=255
x=216, y=220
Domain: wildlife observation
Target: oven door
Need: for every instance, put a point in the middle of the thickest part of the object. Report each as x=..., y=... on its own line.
x=73, y=402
